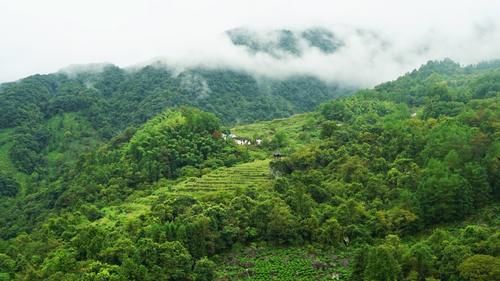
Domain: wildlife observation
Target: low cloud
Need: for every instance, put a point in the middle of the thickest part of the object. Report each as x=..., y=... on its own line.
x=379, y=41
x=363, y=58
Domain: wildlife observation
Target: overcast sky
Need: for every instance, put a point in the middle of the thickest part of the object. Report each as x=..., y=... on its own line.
x=45, y=36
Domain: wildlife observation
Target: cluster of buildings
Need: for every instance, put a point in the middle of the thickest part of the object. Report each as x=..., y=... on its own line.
x=240, y=140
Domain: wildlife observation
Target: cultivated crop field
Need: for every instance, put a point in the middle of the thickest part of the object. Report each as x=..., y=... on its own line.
x=290, y=264
x=254, y=174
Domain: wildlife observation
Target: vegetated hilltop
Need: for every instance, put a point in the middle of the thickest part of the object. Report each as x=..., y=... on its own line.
x=283, y=42
x=46, y=121
x=399, y=182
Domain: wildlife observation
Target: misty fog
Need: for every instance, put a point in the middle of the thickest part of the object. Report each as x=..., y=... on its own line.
x=377, y=44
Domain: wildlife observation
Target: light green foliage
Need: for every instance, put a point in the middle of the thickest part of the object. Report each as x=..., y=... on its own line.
x=297, y=130
x=7, y=266
x=249, y=175
x=480, y=268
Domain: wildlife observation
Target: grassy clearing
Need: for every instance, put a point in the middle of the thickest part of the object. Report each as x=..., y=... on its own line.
x=126, y=212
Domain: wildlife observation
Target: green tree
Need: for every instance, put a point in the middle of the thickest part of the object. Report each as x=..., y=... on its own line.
x=61, y=260
x=279, y=140
x=480, y=268
x=443, y=195
x=359, y=263
x=7, y=266
x=8, y=186
x=477, y=176
x=336, y=110
x=381, y=265
x=331, y=232
x=452, y=255
x=204, y=270
x=421, y=260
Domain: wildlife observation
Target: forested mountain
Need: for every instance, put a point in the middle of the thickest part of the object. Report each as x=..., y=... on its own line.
x=285, y=42
x=134, y=175
x=112, y=98
x=85, y=106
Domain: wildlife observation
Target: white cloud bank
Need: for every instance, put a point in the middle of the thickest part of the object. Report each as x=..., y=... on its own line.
x=44, y=36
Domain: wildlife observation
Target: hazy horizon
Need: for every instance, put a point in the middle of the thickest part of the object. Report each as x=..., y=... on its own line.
x=44, y=37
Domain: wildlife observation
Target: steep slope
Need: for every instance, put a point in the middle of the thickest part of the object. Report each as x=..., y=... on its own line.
x=400, y=181
x=104, y=100
x=222, y=182
x=285, y=134
x=255, y=174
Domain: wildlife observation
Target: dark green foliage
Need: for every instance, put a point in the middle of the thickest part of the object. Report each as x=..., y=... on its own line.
x=381, y=264
x=380, y=166
x=444, y=195
x=359, y=263
x=282, y=42
x=204, y=270
x=175, y=140
x=421, y=260
x=112, y=100
x=8, y=186
x=277, y=43
x=401, y=181
x=487, y=86
x=26, y=151
x=167, y=261
x=322, y=39
x=7, y=267
x=23, y=103
x=163, y=148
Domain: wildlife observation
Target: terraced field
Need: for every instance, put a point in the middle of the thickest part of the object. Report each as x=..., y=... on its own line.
x=253, y=174
x=218, y=183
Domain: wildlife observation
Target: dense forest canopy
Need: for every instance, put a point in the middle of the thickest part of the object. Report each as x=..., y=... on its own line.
x=121, y=175
x=86, y=107
x=114, y=98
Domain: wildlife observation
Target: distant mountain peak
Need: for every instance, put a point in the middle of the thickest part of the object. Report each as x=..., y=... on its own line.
x=284, y=42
